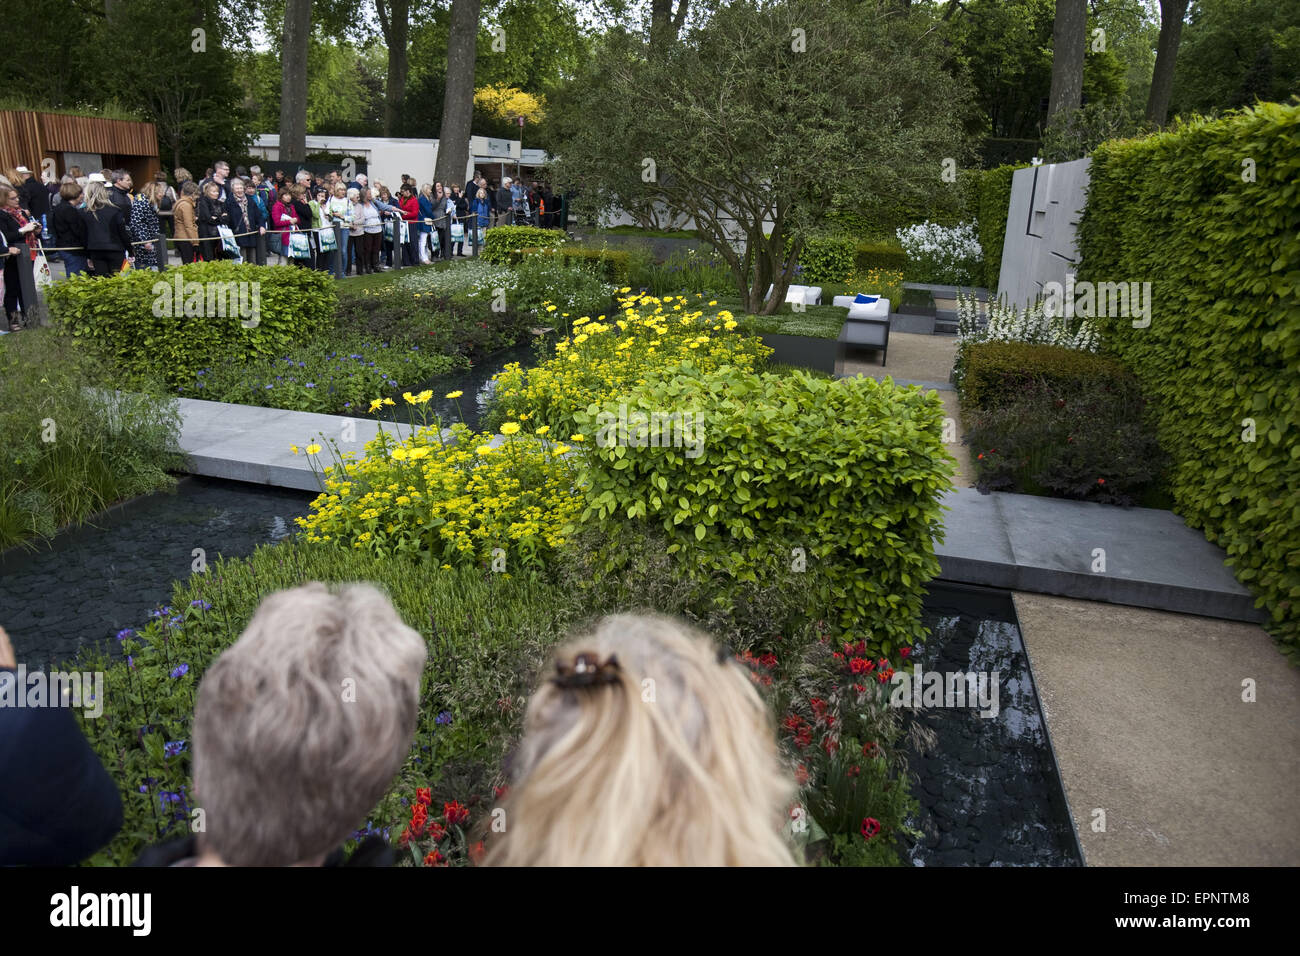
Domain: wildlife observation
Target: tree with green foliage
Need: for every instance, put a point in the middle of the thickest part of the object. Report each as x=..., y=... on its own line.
x=1234, y=52
x=755, y=121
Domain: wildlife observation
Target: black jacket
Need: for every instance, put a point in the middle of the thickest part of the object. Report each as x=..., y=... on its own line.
x=239, y=224
x=505, y=202
x=106, y=231
x=211, y=213
x=58, y=805
x=122, y=200
x=9, y=229
x=68, y=223
x=36, y=198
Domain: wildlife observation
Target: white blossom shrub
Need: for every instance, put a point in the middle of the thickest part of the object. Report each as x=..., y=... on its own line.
x=947, y=255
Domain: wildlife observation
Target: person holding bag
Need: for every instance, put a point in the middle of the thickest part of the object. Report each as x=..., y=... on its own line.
x=410, y=207
x=19, y=231
x=212, y=214
x=481, y=212
x=245, y=217
x=425, y=205
x=338, y=212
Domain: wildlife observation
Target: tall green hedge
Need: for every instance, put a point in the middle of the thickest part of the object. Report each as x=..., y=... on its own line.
x=1209, y=213
x=138, y=318
x=994, y=200
x=769, y=475
x=501, y=241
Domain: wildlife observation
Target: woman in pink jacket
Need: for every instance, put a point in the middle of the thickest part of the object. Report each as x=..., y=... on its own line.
x=284, y=218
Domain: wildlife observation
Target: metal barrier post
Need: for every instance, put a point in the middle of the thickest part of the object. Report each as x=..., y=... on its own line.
x=33, y=304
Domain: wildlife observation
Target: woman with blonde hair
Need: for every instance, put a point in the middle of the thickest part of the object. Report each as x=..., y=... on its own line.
x=108, y=244
x=648, y=747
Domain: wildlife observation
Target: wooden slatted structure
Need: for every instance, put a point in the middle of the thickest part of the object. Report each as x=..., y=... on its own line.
x=27, y=137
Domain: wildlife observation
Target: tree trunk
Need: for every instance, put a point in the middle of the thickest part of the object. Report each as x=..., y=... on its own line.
x=1069, y=42
x=293, y=94
x=458, y=103
x=1172, y=13
x=395, y=22
x=665, y=24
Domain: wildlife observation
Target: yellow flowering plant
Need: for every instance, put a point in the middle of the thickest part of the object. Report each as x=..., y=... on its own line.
x=449, y=496
x=649, y=339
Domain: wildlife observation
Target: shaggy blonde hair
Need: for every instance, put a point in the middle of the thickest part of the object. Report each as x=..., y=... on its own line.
x=301, y=724
x=96, y=197
x=673, y=763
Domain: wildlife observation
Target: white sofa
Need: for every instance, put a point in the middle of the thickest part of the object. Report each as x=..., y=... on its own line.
x=877, y=311
x=807, y=294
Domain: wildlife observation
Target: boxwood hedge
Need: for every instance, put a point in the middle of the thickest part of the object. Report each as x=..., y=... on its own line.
x=845, y=475
x=1209, y=213
x=139, y=318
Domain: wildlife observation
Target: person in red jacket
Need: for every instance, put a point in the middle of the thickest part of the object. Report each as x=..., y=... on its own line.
x=409, y=203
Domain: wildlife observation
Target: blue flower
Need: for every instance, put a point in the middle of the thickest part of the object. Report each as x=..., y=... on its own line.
x=173, y=747
x=311, y=385
x=271, y=385
x=123, y=634
x=201, y=605
x=443, y=718
x=181, y=671
x=130, y=662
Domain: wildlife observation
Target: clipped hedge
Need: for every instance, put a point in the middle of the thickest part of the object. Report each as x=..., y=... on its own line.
x=614, y=265
x=998, y=372
x=138, y=318
x=770, y=467
x=1209, y=213
x=825, y=258
x=501, y=241
x=880, y=255
x=994, y=201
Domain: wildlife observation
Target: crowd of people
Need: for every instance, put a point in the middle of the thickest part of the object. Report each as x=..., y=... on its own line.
x=99, y=223
x=286, y=767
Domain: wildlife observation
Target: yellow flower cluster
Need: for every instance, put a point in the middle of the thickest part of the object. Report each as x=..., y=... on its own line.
x=651, y=337
x=450, y=501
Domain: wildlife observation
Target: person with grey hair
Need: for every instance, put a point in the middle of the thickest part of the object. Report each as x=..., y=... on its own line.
x=299, y=729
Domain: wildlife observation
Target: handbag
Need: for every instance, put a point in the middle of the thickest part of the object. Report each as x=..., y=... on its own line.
x=41, y=270
x=228, y=242
x=482, y=235
x=328, y=243
x=404, y=234
x=299, y=245
x=457, y=232
x=388, y=231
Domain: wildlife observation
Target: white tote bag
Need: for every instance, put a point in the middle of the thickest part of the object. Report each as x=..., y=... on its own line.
x=40, y=268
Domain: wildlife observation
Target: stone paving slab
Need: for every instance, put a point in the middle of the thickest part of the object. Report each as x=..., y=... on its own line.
x=244, y=443
x=1049, y=546
x=1148, y=721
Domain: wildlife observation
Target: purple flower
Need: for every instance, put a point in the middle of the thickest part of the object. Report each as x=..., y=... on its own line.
x=173, y=747
x=123, y=634
x=310, y=385
x=443, y=718
x=130, y=662
x=181, y=671
x=201, y=605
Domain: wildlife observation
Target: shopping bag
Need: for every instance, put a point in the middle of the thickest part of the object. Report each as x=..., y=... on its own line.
x=433, y=238
x=328, y=243
x=299, y=245
x=482, y=235
x=388, y=231
x=41, y=270
x=404, y=235
x=457, y=232
x=228, y=242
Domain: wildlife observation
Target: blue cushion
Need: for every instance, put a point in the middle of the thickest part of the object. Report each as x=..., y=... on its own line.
x=865, y=299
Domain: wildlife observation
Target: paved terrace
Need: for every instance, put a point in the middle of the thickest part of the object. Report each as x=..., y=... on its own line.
x=1018, y=542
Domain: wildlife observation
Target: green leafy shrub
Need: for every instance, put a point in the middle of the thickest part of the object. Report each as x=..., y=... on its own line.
x=419, y=311
x=1068, y=441
x=69, y=446
x=501, y=241
x=613, y=265
x=776, y=468
x=138, y=319
x=825, y=259
x=699, y=271
x=888, y=256
x=1209, y=213
x=571, y=287
x=997, y=372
